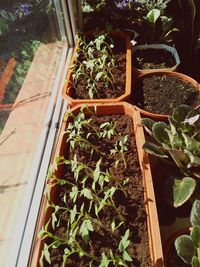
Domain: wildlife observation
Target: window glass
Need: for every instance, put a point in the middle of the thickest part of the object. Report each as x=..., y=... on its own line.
x=32, y=39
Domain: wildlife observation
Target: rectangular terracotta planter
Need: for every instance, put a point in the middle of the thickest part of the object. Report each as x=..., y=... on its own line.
x=67, y=90
x=155, y=247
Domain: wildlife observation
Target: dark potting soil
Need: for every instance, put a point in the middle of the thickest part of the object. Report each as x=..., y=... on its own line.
x=160, y=94
x=151, y=58
x=130, y=205
x=118, y=76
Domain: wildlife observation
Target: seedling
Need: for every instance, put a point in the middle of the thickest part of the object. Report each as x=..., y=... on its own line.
x=94, y=63
x=85, y=194
x=120, y=147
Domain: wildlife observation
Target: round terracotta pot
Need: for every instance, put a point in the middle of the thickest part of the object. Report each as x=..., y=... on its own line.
x=157, y=116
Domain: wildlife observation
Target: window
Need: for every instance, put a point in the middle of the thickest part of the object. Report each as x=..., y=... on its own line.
x=34, y=43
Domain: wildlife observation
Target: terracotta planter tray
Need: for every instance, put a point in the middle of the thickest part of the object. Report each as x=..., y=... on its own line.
x=149, y=198
x=67, y=90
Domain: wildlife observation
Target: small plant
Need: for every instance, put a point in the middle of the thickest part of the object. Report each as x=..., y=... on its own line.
x=94, y=63
x=178, y=141
x=188, y=246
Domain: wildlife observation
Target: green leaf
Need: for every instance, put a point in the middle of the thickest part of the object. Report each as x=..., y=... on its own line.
x=126, y=256
x=178, y=156
x=124, y=243
x=74, y=193
x=194, y=161
x=191, y=144
x=148, y=124
x=179, y=114
x=87, y=193
x=195, y=262
x=182, y=190
x=159, y=132
x=154, y=150
x=195, y=213
x=185, y=248
x=153, y=15
x=176, y=140
x=47, y=254
x=85, y=228
x=195, y=235
x=104, y=261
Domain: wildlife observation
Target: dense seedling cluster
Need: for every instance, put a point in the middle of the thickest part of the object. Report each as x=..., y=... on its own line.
x=94, y=64
x=88, y=226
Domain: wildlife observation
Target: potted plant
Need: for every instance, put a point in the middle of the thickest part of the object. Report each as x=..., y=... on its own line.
x=152, y=57
x=183, y=246
x=158, y=93
x=100, y=209
x=178, y=142
x=100, y=69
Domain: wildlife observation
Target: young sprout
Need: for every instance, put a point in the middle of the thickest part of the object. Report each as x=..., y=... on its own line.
x=107, y=129
x=120, y=147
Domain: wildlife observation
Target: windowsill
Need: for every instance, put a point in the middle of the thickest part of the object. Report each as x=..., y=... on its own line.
x=20, y=136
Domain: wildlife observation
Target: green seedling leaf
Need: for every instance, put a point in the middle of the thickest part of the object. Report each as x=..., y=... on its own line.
x=195, y=235
x=153, y=15
x=124, y=243
x=47, y=253
x=195, y=262
x=73, y=213
x=74, y=193
x=148, y=124
x=86, y=193
x=104, y=261
x=182, y=190
x=85, y=228
x=195, y=213
x=185, y=248
x=126, y=256
x=159, y=132
x=155, y=150
x=114, y=225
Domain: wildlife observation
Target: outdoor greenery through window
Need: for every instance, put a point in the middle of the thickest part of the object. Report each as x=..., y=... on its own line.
x=25, y=25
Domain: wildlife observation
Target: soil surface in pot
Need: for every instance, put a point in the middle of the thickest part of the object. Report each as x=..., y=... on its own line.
x=160, y=94
x=129, y=201
x=104, y=89
x=151, y=58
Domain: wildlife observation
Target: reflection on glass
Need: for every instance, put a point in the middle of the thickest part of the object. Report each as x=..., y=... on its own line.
x=25, y=25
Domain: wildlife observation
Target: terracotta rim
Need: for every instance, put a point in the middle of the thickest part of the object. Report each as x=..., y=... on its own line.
x=152, y=218
x=169, y=73
x=66, y=90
